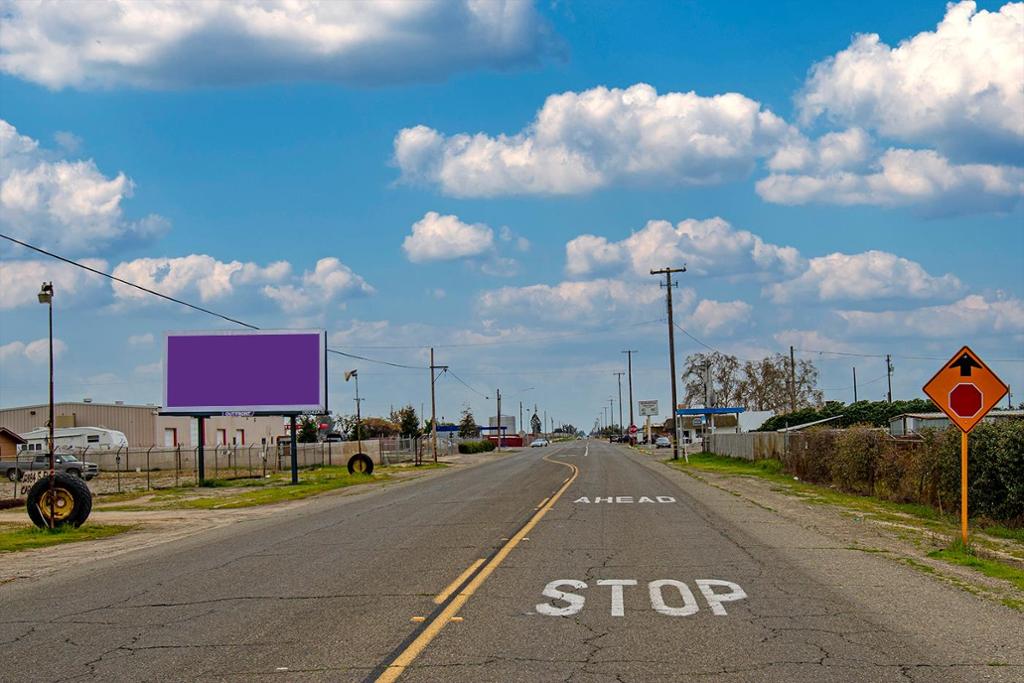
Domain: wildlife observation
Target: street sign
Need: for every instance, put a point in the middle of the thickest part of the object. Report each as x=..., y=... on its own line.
x=632, y=429
x=965, y=389
x=648, y=408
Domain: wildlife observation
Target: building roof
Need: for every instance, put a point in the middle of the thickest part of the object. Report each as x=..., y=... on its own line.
x=16, y=438
x=943, y=416
x=150, y=406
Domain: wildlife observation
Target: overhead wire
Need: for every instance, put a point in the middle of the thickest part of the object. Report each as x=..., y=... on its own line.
x=187, y=304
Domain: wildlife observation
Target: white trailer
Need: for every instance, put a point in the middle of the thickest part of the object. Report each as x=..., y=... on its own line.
x=73, y=439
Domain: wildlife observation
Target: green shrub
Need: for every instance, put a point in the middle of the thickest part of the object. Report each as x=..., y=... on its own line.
x=481, y=446
x=853, y=462
x=868, y=461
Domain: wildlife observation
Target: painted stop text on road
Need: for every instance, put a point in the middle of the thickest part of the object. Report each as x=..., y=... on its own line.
x=669, y=597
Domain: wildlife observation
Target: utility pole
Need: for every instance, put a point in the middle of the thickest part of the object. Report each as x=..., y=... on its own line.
x=792, y=380
x=667, y=272
x=354, y=374
x=433, y=401
x=497, y=393
x=629, y=366
x=888, y=372
x=618, y=376
x=854, y=383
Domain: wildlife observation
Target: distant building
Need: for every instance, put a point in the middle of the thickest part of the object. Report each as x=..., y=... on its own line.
x=142, y=425
x=508, y=423
x=909, y=424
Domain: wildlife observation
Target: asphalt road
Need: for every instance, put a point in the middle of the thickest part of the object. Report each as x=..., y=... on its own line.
x=578, y=562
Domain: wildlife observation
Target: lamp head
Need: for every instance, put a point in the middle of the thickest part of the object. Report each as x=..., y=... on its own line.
x=46, y=293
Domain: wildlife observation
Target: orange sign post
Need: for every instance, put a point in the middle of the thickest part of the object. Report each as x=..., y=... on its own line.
x=965, y=389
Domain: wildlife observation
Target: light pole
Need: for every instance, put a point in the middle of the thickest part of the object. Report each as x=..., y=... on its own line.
x=354, y=374
x=46, y=297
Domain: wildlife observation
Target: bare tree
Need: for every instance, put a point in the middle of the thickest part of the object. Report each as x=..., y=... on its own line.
x=723, y=371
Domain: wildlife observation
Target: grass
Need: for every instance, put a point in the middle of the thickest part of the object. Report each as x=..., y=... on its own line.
x=276, y=488
x=25, y=537
x=959, y=554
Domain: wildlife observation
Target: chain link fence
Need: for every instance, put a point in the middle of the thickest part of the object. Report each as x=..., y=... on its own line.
x=144, y=468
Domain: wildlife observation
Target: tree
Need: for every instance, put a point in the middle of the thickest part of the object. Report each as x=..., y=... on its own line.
x=308, y=427
x=407, y=420
x=765, y=384
x=468, y=428
x=566, y=428
x=723, y=371
x=535, y=425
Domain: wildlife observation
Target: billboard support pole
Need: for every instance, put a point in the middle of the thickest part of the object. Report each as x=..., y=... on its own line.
x=200, y=457
x=295, y=452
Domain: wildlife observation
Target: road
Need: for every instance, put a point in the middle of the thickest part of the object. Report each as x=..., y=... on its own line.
x=649, y=575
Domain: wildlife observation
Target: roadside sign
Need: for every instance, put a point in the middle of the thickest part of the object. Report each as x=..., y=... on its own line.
x=632, y=429
x=698, y=420
x=648, y=408
x=965, y=389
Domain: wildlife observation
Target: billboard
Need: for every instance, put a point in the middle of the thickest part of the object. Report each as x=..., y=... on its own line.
x=257, y=372
x=648, y=408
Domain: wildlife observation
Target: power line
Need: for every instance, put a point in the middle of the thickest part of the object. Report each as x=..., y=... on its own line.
x=463, y=383
x=186, y=303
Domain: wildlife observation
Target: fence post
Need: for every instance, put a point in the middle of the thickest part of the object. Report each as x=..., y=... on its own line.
x=117, y=467
x=149, y=482
x=177, y=464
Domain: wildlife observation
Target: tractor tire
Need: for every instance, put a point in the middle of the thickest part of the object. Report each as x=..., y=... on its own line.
x=72, y=501
x=360, y=464
x=14, y=474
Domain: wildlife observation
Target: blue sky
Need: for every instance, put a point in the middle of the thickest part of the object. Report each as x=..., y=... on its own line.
x=901, y=156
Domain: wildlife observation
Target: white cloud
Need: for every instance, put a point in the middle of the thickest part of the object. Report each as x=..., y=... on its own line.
x=960, y=87
x=719, y=317
x=140, y=339
x=329, y=281
x=831, y=152
x=812, y=340
x=176, y=43
x=443, y=238
x=602, y=299
x=582, y=141
x=63, y=204
x=707, y=247
x=508, y=236
x=869, y=275
x=196, y=274
x=20, y=280
x=37, y=351
x=972, y=315
x=904, y=177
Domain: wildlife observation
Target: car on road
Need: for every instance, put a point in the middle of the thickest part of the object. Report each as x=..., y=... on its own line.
x=539, y=443
x=16, y=469
x=662, y=442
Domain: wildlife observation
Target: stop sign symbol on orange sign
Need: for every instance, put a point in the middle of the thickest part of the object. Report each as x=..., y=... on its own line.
x=965, y=400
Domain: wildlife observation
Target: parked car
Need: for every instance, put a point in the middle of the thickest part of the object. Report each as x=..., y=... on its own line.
x=662, y=442
x=539, y=443
x=16, y=469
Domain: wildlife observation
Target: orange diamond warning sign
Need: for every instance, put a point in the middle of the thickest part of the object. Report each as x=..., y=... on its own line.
x=965, y=389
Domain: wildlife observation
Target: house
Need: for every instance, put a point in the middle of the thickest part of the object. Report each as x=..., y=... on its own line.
x=10, y=443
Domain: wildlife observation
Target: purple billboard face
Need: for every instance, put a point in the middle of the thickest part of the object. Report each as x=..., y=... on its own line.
x=265, y=371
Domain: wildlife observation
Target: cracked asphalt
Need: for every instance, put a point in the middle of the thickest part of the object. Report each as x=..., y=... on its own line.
x=327, y=591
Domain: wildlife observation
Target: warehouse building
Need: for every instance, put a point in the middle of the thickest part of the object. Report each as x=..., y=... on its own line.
x=143, y=425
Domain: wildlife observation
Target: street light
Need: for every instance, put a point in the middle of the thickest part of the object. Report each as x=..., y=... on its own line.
x=46, y=297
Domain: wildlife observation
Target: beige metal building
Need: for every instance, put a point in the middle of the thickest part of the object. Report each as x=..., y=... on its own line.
x=143, y=425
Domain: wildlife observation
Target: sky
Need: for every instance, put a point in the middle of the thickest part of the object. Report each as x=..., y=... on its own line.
x=496, y=180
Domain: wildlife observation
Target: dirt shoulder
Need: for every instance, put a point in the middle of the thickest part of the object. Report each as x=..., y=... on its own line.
x=909, y=535
x=152, y=523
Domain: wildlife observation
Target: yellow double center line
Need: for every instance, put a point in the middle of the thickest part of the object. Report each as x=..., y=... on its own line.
x=431, y=631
